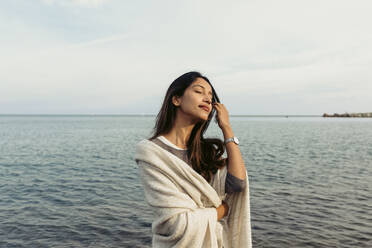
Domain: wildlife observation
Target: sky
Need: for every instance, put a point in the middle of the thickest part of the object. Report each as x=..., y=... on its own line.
x=263, y=57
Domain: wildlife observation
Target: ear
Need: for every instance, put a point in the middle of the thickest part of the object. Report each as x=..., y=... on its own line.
x=176, y=101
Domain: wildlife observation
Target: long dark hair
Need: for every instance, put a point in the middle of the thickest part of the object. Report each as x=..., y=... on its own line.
x=204, y=154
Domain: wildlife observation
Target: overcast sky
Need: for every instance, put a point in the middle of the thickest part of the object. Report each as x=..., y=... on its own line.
x=119, y=57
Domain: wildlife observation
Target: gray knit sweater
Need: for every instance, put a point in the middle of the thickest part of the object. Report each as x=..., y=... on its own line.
x=232, y=184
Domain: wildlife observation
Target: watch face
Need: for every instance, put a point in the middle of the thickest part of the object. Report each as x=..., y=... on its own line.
x=236, y=140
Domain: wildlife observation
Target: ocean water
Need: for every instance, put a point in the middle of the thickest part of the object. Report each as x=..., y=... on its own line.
x=71, y=181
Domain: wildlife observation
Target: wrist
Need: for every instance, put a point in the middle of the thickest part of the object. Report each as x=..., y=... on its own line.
x=227, y=132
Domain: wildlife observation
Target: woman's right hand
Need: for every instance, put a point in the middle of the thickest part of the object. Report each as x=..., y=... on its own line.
x=222, y=210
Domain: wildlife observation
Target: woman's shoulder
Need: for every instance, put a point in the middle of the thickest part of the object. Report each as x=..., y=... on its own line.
x=142, y=142
x=147, y=148
x=143, y=148
x=146, y=140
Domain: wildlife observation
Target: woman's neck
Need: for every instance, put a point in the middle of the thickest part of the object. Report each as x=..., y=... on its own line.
x=179, y=137
x=180, y=133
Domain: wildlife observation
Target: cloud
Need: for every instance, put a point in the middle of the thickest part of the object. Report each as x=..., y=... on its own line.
x=87, y=3
x=104, y=40
x=282, y=56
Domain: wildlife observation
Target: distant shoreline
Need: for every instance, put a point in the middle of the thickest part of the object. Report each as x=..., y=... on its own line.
x=350, y=115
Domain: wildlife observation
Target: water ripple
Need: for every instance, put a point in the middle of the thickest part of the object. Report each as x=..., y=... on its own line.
x=72, y=181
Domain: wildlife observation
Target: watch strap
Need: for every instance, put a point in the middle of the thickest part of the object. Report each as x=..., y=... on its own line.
x=229, y=140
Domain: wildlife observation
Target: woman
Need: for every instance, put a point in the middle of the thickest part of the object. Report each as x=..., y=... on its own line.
x=199, y=199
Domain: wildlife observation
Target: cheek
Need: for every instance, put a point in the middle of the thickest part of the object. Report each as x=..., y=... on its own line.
x=192, y=100
x=190, y=104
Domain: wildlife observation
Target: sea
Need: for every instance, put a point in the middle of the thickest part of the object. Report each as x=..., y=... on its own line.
x=71, y=180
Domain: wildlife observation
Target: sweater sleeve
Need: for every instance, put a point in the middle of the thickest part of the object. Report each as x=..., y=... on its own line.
x=177, y=219
x=234, y=184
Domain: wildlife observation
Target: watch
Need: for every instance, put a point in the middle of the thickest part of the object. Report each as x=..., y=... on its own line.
x=234, y=139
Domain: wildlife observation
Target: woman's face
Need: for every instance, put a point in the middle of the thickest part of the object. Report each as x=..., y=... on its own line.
x=196, y=101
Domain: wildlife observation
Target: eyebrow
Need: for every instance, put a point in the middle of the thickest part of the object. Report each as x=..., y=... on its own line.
x=203, y=88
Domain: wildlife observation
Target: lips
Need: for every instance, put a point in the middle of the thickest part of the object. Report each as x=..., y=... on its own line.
x=204, y=107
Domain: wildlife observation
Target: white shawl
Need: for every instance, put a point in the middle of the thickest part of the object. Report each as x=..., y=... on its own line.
x=184, y=203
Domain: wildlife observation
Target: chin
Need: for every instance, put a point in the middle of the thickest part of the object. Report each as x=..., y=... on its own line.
x=204, y=117
x=201, y=116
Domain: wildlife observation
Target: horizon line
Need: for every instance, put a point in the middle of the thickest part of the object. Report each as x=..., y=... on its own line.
x=232, y=115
